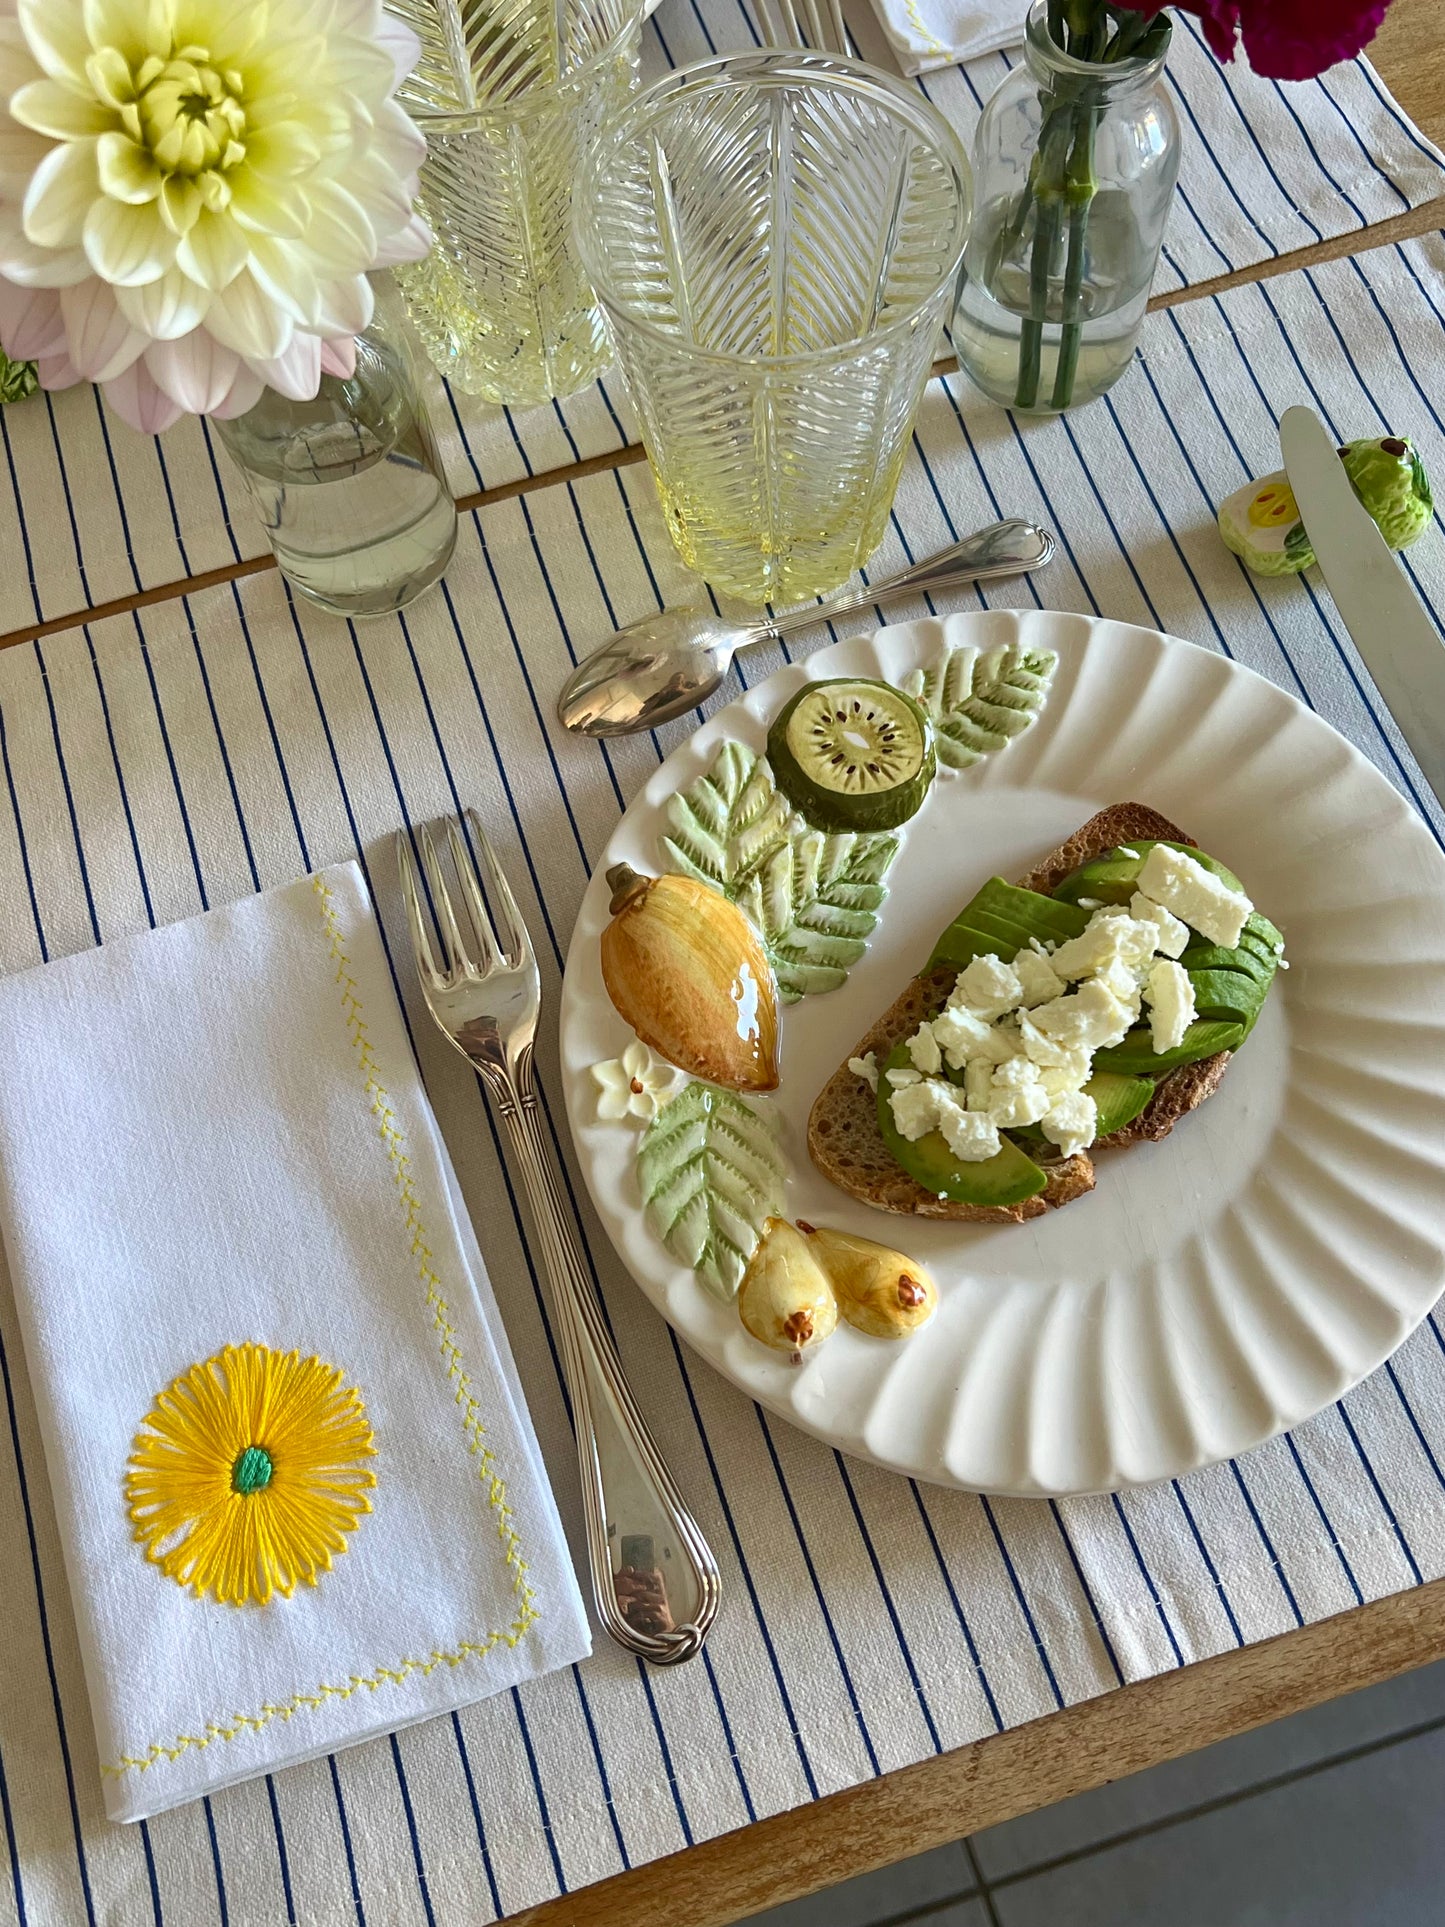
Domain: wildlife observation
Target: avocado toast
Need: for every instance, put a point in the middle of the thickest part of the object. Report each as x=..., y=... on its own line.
x=1136, y=1089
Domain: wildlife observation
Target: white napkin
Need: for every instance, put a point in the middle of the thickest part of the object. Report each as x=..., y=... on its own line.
x=939, y=33
x=215, y=1135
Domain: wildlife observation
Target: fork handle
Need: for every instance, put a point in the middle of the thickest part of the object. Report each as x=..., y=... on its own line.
x=663, y=1596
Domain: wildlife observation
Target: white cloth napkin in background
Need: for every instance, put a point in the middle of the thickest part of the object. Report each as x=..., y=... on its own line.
x=215, y=1134
x=939, y=33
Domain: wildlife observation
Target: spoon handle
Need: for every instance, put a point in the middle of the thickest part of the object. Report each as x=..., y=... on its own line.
x=1003, y=548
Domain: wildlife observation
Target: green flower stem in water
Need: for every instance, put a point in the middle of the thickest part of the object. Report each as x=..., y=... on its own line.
x=1061, y=180
x=1078, y=194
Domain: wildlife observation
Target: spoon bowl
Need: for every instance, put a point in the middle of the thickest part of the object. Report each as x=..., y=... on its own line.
x=668, y=663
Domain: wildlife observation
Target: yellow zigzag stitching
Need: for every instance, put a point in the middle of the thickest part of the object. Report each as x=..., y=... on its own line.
x=496, y=1486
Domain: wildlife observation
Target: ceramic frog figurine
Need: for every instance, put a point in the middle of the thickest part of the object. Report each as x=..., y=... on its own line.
x=1262, y=525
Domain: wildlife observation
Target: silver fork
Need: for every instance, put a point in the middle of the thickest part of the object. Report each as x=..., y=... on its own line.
x=485, y=996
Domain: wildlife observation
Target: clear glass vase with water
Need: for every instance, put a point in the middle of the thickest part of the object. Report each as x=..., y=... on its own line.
x=1075, y=163
x=349, y=486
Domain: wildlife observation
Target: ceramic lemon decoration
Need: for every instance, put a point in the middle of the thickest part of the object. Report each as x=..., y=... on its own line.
x=1261, y=524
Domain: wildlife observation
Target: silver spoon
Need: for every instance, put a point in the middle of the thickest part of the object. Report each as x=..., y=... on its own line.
x=666, y=664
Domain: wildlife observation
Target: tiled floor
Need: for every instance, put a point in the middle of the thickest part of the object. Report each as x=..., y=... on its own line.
x=1335, y=1818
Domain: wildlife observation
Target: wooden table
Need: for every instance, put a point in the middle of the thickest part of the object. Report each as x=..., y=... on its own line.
x=1135, y=1726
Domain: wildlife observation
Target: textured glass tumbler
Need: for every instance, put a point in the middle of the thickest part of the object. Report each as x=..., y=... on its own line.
x=508, y=97
x=775, y=240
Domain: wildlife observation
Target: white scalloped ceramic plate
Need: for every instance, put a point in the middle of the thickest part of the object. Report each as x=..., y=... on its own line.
x=1215, y=1288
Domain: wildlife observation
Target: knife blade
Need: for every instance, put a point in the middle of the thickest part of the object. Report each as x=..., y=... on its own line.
x=1397, y=641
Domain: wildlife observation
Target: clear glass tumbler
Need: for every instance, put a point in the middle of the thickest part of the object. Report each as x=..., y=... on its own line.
x=775, y=239
x=508, y=97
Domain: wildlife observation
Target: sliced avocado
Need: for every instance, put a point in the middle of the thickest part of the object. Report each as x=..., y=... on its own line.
x=1137, y=1057
x=1007, y=1178
x=1232, y=995
x=975, y=931
x=1213, y=956
x=1114, y=877
x=1118, y=1100
x=1259, y=930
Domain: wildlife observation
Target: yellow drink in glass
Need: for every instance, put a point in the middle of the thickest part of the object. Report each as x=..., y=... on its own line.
x=775, y=240
x=508, y=96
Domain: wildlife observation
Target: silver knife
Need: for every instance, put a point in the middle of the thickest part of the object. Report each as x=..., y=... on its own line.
x=1397, y=641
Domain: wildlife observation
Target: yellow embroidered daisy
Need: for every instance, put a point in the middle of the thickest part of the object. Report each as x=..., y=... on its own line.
x=246, y=1474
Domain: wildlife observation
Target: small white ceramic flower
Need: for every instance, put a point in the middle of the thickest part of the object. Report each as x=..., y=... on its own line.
x=193, y=191
x=636, y=1084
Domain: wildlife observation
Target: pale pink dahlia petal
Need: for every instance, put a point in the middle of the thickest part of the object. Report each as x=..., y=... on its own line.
x=136, y=399
x=100, y=340
x=338, y=357
x=31, y=324
x=400, y=42
x=57, y=371
x=297, y=373
x=196, y=371
x=346, y=306
x=246, y=390
x=410, y=243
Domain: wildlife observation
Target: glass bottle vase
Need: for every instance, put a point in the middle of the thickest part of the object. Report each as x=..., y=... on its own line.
x=1074, y=169
x=349, y=486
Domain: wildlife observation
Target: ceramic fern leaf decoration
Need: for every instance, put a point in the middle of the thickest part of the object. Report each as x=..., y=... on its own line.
x=728, y=821
x=711, y=1174
x=979, y=700
x=814, y=899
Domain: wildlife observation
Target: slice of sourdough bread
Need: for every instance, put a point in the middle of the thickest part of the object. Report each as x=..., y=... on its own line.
x=843, y=1136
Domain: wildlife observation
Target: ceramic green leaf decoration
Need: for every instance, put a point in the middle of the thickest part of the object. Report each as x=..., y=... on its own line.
x=980, y=699
x=816, y=900
x=813, y=898
x=711, y=1174
x=727, y=821
x=18, y=379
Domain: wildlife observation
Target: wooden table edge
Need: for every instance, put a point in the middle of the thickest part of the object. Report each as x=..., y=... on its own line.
x=1087, y=1745
x=1427, y=218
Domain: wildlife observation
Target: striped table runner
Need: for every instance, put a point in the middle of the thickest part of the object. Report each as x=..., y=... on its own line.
x=154, y=764
x=103, y=512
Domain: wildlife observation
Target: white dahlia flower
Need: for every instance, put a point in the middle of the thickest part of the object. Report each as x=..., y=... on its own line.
x=193, y=191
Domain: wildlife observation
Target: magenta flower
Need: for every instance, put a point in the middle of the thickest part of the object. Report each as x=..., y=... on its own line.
x=1284, y=39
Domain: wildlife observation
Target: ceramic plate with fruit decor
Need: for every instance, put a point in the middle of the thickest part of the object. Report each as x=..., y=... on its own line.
x=1214, y=1286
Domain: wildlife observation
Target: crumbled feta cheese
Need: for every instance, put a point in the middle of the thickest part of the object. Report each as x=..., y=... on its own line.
x=1171, y=1004
x=1133, y=855
x=1088, y=1019
x=1037, y=1047
x=978, y=1083
x=1112, y=936
x=972, y=1136
x=898, y=1078
x=1195, y=895
x=1072, y=1123
x=1122, y=981
x=923, y=1049
x=915, y=1108
x=1018, y=1096
x=988, y=986
x=1090, y=903
x=1173, y=935
x=1060, y=1080
x=964, y=1035
x=866, y=1068
x=1040, y=982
